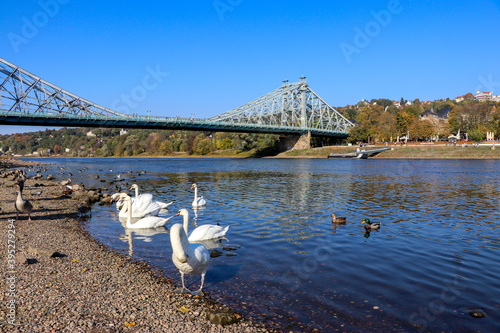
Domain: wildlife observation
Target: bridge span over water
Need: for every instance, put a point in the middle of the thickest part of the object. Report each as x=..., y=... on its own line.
x=293, y=109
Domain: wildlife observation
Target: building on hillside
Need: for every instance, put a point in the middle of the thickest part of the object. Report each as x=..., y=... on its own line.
x=484, y=95
x=123, y=131
x=444, y=113
x=89, y=133
x=459, y=98
x=439, y=120
x=428, y=115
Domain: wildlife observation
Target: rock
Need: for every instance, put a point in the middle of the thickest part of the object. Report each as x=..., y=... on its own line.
x=50, y=177
x=44, y=252
x=21, y=259
x=476, y=313
x=38, y=176
x=106, y=200
x=231, y=247
x=215, y=253
x=221, y=317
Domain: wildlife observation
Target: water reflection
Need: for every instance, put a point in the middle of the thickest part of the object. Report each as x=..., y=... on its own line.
x=440, y=230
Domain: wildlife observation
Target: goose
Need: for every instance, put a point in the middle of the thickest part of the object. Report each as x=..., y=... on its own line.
x=21, y=205
x=371, y=225
x=336, y=219
x=145, y=222
x=141, y=206
x=203, y=232
x=198, y=201
x=21, y=175
x=161, y=204
x=188, y=258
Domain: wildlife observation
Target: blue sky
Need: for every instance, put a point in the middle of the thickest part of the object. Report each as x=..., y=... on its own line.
x=209, y=57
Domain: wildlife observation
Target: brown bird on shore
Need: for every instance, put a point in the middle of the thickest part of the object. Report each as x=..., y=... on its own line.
x=76, y=187
x=336, y=219
x=21, y=175
x=64, y=183
x=22, y=206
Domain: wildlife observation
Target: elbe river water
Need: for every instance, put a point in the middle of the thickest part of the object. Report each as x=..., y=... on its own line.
x=433, y=266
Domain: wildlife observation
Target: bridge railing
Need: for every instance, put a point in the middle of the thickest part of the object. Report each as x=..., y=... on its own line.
x=167, y=122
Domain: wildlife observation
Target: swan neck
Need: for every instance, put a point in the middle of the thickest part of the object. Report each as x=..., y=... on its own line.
x=129, y=216
x=136, y=191
x=180, y=245
x=186, y=223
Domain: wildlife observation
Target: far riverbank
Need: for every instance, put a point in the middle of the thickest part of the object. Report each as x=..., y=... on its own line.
x=410, y=151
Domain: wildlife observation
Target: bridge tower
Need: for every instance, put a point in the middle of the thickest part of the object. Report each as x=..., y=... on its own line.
x=293, y=105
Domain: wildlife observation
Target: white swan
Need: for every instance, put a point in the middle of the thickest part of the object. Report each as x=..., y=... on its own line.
x=161, y=204
x=119, y=203
x=188, y=258
x=141, y=206
x=198, y=201
x=203, y=232
x=145, y=222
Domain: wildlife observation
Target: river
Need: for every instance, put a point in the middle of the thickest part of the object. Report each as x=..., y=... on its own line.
x=433, y=265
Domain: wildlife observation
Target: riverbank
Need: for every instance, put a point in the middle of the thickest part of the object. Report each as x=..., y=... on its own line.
x=65, y=281
x=411, y=151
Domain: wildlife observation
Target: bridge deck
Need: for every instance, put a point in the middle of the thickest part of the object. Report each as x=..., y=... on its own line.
x=152, y=122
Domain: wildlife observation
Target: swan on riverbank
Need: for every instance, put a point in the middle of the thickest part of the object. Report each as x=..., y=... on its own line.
x=198, y=201
x=203, y=232
x=162, y=205
x=188, y=258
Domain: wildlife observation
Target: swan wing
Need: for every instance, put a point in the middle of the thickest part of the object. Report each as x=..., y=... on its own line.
x=200, y=261
x=144, y=205
x=207, y=231
x=198, y=202
x=164, y=205
x=149, y=222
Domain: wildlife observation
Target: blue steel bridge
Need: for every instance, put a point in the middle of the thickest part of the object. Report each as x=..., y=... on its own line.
x=292, y=109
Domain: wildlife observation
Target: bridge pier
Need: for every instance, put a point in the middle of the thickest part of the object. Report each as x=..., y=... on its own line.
x=290, y=142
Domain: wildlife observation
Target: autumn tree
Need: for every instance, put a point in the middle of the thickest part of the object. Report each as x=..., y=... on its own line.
x=403, y=121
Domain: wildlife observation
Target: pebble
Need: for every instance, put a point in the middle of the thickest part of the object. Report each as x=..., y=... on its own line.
x=91, y=288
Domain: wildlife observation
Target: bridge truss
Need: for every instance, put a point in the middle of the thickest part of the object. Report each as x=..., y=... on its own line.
x=291, y=105
x=26, y=99
x=24, y=92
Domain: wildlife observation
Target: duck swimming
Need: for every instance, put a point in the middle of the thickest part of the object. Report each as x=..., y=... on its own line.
x=371, y=225
x=336, y=219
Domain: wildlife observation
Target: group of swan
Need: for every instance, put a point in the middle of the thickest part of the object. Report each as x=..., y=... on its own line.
x=148, y=221
x=188, y=258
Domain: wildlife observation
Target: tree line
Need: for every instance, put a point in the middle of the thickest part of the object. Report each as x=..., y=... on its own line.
x=376, y=121
x=382, y=121
x=107, y=142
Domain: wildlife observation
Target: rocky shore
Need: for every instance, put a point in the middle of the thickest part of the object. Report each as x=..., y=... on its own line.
x=65, y=281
